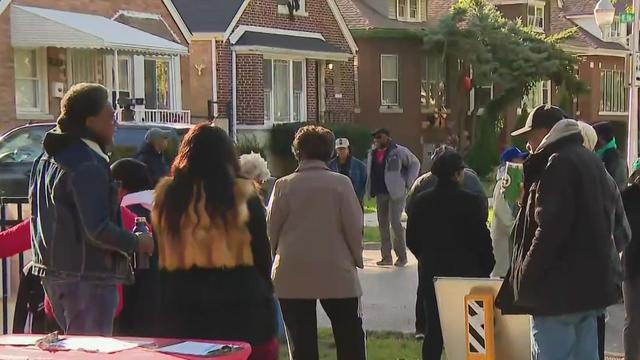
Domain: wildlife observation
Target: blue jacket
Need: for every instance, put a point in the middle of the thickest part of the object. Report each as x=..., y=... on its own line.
x=357, y=174
x=76, y=225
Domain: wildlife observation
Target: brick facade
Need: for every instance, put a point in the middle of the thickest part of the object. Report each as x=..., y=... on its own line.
x=106, y=8
x=250, y=89
x=264, y=13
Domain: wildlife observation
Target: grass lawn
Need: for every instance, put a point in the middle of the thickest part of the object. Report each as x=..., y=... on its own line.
x=380, y=346
x=371, y=235
x=369, y=205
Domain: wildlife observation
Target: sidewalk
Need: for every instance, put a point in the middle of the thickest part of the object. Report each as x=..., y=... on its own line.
x=389, y=296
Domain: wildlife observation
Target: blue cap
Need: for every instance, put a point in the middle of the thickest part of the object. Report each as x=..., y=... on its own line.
x=511, y=154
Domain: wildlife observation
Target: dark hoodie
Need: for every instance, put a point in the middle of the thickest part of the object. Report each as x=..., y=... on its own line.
x=77, y=231
x=155, y=162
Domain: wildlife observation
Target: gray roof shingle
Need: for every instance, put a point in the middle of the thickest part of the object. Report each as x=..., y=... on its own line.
x=372, y=14
x=207, y=15
x=286, y=42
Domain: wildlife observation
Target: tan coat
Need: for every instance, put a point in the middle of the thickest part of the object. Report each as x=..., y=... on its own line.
x=315, y=228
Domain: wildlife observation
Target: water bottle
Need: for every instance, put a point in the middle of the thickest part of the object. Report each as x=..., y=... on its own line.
x=141, y=261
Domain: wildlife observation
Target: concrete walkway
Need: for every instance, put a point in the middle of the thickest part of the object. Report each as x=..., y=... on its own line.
x=390, y=294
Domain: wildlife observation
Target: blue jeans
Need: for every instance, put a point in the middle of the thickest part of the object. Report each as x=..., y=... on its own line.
x=82, y=308
x=566, y=337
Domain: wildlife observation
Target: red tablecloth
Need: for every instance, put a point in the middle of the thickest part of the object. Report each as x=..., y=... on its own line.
x=33, y=353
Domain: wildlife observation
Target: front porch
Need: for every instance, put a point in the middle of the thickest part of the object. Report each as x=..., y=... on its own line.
x=54, y=50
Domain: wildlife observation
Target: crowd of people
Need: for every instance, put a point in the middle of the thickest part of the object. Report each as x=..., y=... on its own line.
x=234, y=255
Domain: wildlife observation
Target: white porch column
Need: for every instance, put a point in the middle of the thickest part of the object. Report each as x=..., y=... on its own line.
x=234, y=120
x=116, y=76
x=138, y=76
x=177, y=83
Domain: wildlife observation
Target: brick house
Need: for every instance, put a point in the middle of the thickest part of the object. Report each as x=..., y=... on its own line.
x=258, y=65
x=398, y=81
x=47, y=46
x=402, y=81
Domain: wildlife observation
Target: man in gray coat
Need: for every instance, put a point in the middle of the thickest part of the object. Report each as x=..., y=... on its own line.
x=392, y=169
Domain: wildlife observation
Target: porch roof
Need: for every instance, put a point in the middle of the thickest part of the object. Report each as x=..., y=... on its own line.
x=313, y=47
x=39, y=27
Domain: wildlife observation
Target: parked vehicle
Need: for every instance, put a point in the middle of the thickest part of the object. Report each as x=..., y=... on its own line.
x=21, y=146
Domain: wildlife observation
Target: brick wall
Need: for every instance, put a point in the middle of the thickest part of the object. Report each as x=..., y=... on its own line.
x=265, y=13
x=250, y=90
x=223, y=52
x=312, y=90
x=106, y=8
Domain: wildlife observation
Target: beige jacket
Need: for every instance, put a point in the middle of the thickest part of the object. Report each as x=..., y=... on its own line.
x=315, y=228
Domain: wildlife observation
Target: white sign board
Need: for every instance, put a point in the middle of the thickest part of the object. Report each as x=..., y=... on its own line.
x=512, y=332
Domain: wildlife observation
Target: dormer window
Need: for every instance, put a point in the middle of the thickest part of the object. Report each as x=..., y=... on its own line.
x=409, y=10
x=535, y=16
x=297, y=7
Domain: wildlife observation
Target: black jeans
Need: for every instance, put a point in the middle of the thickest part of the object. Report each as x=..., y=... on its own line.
x=421, y=317
x=601, y=332
x=433, y=342
x=302, y=327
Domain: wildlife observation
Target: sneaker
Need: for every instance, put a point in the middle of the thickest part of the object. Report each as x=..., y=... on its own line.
x=384, y=262
x=419, y=336
x=400, y=263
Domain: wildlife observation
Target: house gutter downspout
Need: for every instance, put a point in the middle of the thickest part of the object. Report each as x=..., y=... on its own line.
x=234, y=121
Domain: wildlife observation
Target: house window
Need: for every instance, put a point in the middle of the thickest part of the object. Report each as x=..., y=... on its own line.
x=539, y=94
x=284, y=90
x=30, y=81
x=535, y=16
x=432, y=79
x=613, y=91
x=84, y=66
x=409, y=10
x=284, y=8
x=389, y=80
x=157, y=83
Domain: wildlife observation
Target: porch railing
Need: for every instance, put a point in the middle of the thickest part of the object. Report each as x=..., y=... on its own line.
x=155, y=116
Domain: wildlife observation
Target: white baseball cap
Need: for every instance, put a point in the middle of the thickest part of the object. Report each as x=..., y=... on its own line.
x=342, y=143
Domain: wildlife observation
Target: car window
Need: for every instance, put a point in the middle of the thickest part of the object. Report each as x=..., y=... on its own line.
x=128, y=141
x=23, y=146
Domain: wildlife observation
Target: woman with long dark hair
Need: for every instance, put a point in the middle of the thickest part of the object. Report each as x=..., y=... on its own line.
x=214, y=255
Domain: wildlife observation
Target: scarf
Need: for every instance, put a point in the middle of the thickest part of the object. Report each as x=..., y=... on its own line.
x=611, y=145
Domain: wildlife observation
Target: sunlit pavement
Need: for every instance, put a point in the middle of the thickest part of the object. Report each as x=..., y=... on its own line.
x=390, y=293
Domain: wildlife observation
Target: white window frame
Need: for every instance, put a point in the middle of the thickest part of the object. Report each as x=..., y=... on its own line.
x=42, y=107
x=284, y=10
x=612, y=103
x=99, y=65
x=472, y=95
x=540, y=87
x=396, y=79
x=407, y=6
x=174, y=79
x=426, y=82
x=303, y=106
x=535, y=20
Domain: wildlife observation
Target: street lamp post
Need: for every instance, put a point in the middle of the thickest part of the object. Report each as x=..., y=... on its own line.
x=604, y=13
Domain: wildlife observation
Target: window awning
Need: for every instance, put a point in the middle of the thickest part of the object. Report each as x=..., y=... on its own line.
x=38, y=27
x=274, y=43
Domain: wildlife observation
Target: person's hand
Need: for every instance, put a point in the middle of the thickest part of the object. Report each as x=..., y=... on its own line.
x=145, y=243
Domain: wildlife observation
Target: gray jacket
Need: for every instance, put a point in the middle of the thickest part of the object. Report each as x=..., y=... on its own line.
x=401, y=170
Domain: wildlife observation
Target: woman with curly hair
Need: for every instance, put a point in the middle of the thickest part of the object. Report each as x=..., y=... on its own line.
x=214, y=256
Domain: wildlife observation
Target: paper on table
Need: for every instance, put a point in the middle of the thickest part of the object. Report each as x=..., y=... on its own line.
x=93, y=344
x=192, y=348
x=18, y=340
